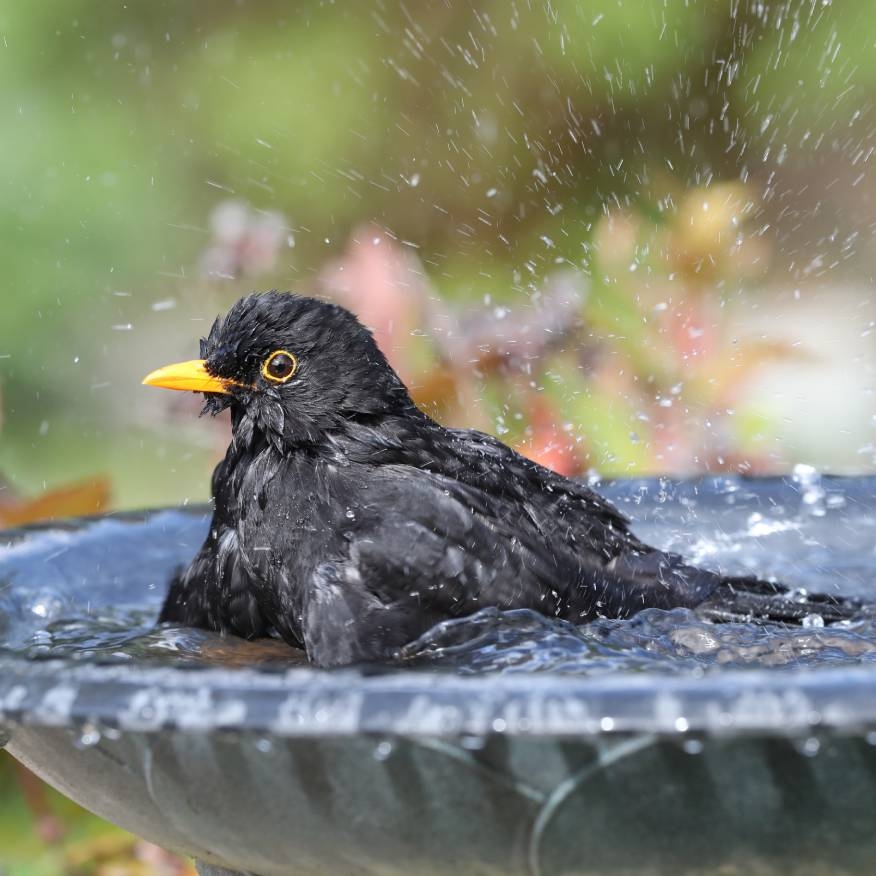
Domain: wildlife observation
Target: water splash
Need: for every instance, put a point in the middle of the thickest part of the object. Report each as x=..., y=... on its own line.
x=91, y=595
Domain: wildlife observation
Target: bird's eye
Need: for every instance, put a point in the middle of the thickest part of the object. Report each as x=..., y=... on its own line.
x=279, y=366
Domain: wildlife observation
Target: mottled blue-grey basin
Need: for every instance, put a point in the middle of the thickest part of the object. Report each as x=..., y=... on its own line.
x=655, y=746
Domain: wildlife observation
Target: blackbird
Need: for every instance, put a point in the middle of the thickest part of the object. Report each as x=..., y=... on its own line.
x=349, y=522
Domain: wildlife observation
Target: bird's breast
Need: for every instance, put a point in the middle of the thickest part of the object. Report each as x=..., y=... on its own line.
x=287, y=510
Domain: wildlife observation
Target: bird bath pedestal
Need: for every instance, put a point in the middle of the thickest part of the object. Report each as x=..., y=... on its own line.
x=275, y=771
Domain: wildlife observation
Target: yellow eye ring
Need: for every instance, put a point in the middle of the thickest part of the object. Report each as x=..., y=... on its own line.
x=280, y=366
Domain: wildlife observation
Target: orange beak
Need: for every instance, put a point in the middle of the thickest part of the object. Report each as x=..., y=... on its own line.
x=192, y=376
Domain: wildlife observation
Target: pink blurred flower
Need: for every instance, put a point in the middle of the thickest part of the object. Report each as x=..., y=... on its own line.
x=244, y=241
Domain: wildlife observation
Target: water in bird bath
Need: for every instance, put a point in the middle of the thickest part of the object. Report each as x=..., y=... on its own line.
x=522, y=742
x=91, y=593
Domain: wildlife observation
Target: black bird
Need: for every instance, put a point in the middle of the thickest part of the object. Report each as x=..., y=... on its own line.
x=349, y=522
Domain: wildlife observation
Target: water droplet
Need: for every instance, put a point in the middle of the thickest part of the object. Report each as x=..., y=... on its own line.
x=383, y=750
x=809, y=747
x=693, y=746
x=89, y=736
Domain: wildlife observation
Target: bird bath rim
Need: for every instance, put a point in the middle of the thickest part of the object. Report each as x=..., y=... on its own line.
x=304, y=702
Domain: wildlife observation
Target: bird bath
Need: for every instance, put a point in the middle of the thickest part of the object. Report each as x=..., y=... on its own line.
x=512, y=744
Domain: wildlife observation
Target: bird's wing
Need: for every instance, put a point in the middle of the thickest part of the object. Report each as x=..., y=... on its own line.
x=422, y=547
x=419, y=548
x=486, y=460
x=560, y=507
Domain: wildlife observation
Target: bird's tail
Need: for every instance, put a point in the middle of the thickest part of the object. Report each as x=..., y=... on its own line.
x=749, y=599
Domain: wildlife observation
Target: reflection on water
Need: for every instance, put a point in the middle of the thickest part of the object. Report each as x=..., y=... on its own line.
x=492, y=641
x=92, y=593
x=114, y=641
x=654, y=640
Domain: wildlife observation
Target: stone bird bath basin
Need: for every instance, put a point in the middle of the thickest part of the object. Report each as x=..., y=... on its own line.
x=655, y=746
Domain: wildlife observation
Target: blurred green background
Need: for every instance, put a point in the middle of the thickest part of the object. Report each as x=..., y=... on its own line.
x=633, y=237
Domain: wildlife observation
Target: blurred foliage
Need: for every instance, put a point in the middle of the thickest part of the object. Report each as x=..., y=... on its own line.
x=71, y=500
x=492, y=138
x=44, y=834
x=590, y=228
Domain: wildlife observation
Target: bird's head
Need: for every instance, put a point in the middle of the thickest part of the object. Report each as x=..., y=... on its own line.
x=292, y=369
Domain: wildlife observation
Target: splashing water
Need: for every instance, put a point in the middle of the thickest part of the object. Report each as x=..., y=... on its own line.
x=91, y=592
